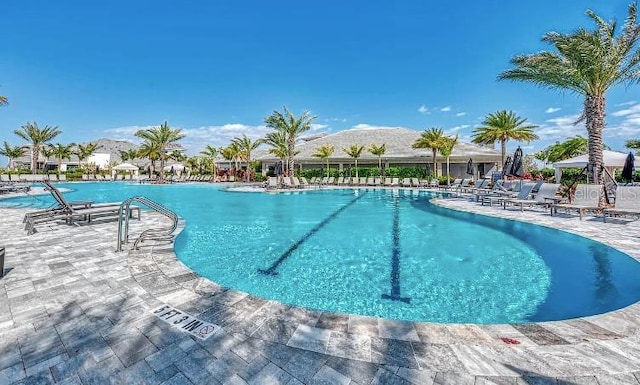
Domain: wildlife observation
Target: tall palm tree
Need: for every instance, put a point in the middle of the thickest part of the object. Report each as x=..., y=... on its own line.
x=62, y=151
x=161, y=137
x=83, y=152
x=378, y=151
x=431, y=138
x=211, y=153
x=446, y=148
x=324, y=152
x=12, y=153
x=587, y=63
x=354, y=151
x=37, y=137
x=245, y=146
x=503, y=126
x=292, y=127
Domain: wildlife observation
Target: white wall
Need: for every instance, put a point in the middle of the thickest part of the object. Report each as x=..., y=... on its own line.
x=100, y=160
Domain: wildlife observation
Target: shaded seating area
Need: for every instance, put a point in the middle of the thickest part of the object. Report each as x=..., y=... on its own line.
x=72, y=212
x=545, y=196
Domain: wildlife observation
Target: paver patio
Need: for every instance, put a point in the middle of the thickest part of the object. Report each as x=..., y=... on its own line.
x=76, y=312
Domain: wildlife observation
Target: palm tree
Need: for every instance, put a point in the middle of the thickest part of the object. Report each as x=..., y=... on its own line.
x=378, y=151
x=564, y=150
x=47, y=152
x=12, y=152
x=85, y=151
x=152, y=152
x=161, y=137
x=61, y=151
x=446, y=148
x=279, y=147
x=3, y=101
x=587, y=63
x=633, y=144
x=354, y=151
x=324, y=152
x=503, y=126
x=230, y=153
x=211, y=152
x=291, y=127
x=431, y=138
x=178, y=156
x=37, y=137
x=245, y=146
x=128, y=155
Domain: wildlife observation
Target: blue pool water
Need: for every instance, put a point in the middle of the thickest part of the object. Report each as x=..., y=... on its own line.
x=387, y=253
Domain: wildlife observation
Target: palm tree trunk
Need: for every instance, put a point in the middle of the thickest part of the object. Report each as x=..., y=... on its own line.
x=356, y=161
x=594, y=107
x=291, y=147
x=380, y=166
x=35, y=151
x=448, y=175
x=59, y=165
x=503, y=147
x=327, y=167
x=435, y=171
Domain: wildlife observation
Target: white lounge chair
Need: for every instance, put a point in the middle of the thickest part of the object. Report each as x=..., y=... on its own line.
x=627, y=203
x=586, y=198
x=544, y=197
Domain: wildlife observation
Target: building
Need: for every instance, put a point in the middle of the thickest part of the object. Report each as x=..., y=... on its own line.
x=399, y=152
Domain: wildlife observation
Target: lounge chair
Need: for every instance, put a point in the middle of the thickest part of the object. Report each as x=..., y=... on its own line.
x=325, y=180
x=457, y=183
x=395, y=181
x=387, y=181
x=627, y=203
x=272, y=183
x=69, y=212
x=377, y=181
x=406, y=182
x=340, y=181
x=415, y=182
x=586, y=198
x=523, y=194
x=544, y=197
x=370, y=181
x=331, y=180
x=286, y=182
x=363, y=181
x=304, y=183
x=296, y=182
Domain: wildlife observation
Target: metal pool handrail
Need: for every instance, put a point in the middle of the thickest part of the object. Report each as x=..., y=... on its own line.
x=155, y=233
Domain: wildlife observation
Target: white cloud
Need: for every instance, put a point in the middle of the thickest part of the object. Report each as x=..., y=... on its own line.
x=341, y=120
x=364, y=126
x=551, y=110
x=446, y=109
x=423, y=109
x=457, y=128
x=461, y=114
x=631, y=103
x=560, y=128
x=634, y=109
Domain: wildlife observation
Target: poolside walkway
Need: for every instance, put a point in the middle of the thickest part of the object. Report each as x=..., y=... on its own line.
x=76, y=312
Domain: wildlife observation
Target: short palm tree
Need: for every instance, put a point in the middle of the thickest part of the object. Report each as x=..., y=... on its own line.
x=128, y=154
x=211, y=153
x=279, y=146
x=431, y=138
x=503, y=126
x=354, y=151
x=230, y=153
x=378, y=151
x=152, y=152
x=587, y=63
x=61, y=152
x=633, y=144
x=47, y=152
x=245, y=146
x=12, y=153
x=37, y=137
x=564, y=150
x=83, y=152
x=3, y=101
x=446, y=148
x=161, y=137
x=292, y=127
x=324, y=152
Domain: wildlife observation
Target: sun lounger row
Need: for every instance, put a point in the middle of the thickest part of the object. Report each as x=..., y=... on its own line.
x=369, y=181
x=32, y=177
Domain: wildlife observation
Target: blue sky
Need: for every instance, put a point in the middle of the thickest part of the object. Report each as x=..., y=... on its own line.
x=217, y=68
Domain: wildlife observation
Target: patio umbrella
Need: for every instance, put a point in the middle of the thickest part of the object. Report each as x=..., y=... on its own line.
x=628, y=169
x=517, y=167
x=470, y=167
x=278, y=168
x=427, y=169
x=506, y=168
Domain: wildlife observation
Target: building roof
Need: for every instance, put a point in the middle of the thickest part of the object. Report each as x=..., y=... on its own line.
x=398, y=143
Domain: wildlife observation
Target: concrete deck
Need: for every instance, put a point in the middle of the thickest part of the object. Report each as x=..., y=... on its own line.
x=76, y=312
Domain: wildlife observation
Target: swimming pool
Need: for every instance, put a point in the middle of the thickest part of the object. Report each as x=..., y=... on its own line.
x=387, y=253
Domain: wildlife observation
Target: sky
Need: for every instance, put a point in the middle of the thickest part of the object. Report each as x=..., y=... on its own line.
x=217, y=68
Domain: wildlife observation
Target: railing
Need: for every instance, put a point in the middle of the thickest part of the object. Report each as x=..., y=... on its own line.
x=165, y=233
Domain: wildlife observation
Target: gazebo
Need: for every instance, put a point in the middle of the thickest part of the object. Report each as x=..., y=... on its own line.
x=125, y=167
x=612, y=160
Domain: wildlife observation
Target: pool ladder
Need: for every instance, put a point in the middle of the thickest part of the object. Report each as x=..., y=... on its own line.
x=158, y=234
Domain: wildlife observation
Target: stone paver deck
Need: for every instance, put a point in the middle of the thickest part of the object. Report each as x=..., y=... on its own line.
x=73, y=311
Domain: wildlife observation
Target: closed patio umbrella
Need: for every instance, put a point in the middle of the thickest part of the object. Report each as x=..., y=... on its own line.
x=470, y=167
x=517, y=167
x=278, y=168
x=629, y=168
x=506, y=168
